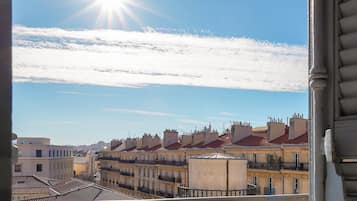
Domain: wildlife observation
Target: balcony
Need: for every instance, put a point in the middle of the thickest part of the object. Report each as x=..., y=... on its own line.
x=108, y=158
x=145, y=190
x=295, y=166
x=164, y=194
x=269, y=191
x=265, y=166
x=129, y=174
x=175, y=163
x=126, y=161
x=126, y=186
x=110, y=169
x=146, y=161
x=170, y=179
x=190, y=192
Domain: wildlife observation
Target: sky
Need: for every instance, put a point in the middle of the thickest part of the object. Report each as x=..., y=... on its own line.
x=89, y=70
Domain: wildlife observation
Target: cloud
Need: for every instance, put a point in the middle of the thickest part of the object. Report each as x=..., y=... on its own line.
x=136, y=59
x=192, y=121
x=139, y=112
x=78, y=93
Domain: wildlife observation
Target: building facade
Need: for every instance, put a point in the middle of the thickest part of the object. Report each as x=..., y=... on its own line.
x=36, y=156
x=277, y=159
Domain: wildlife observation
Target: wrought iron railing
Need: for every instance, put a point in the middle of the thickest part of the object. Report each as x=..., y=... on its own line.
x=164, y=194
x=110, y=169
x=190, y=192
x=126, y=186
x=266, y=166
x=130, y=174
x=170, y=179
x=295, y=166
x=146, y=190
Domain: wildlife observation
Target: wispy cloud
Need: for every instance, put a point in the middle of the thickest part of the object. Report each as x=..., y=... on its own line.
x=55, y=123
x=140, y=112
x=135, y=59
x=192, y=121
x=78, y=93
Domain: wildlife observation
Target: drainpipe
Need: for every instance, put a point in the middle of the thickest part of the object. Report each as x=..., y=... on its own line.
x=227, y=176
x=317, y=94
x=6, y=98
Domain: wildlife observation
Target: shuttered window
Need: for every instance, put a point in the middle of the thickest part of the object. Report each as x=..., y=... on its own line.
x=347, y=32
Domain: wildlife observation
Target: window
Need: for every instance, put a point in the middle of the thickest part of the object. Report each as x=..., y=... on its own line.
x=38, y=167
x=18, y=168
x=38, y=153
x=270, y=183
x=255, y=180
x=296, y=185
x=297, y=159
x=49, y=153
x=254, y=157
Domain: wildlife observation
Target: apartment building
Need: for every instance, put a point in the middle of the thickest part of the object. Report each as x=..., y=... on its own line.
x=36, y=156
x=85, y=165
x=277, y=158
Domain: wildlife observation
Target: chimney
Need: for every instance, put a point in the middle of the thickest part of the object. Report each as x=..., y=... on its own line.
x=130, y=143
x=114, y=144
x=276, y=128
x=298, y=126
x=198, y=137
x=139, y=143
x=240, y=130
x=147, y=138
x=156, y=140
x=210, y=137
x=170, y=137
x=186, y=140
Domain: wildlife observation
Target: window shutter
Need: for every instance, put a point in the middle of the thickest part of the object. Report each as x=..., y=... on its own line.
x=348, y=58
x=345, y=78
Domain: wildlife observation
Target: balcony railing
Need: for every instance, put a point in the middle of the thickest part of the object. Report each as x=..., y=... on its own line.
x=129, y=174
x=126, y=186
x=110, y=169
x=126, y=161
x=146, y=190
x=164, y=194
x=266, y=166
x=295, y=166
x=269, y=191
x=170, y=179
x=108, y=158
x=190, y=192
x=175, y=163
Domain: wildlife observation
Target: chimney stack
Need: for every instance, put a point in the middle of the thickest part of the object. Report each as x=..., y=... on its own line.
x=276, y=128
x=240, y=130
x=298, y=126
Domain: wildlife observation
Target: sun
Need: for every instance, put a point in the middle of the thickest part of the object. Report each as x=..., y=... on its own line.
x=112, y=5
x=115, y=13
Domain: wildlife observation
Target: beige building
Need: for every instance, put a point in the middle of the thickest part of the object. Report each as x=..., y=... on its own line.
x=36, y=156
x=277, y=157
x=85, y=165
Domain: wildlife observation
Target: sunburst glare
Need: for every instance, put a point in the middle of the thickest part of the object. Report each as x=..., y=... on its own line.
x=115, y=12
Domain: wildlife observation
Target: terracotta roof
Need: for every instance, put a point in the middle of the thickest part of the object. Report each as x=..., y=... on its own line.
x=173, y=146
x=153, y=148
x=304, y=138
x=130, y=149
x=281, y=140
x=252, y=141
x=214, y=144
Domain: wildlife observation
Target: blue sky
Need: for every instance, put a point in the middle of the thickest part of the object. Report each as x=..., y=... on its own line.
x=177, y=64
